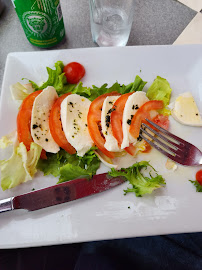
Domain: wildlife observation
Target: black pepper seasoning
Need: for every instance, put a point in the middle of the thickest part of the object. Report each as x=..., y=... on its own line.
x=107, y=120
x=111, y=110
x=129, y=122
x=71, y=104
x=35, y=126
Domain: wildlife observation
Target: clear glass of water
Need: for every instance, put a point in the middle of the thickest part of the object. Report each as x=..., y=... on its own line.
x=111, y=21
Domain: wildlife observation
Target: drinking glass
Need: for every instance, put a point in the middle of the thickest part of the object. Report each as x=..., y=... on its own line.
x=111, y=21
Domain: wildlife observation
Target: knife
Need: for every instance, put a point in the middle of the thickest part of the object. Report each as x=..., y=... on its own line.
x=61, y=193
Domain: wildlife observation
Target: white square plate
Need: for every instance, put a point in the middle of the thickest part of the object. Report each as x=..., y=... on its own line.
x=173, y=209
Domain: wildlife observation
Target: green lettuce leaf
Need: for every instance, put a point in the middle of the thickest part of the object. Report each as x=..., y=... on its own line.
x=137, y=85
x=81, y=90
x=54, y=162
x=160, y=90
x=69, y=172
x=51, y=165
x=94, y=92
x=21, y=167
x=69, y=167
x=57, y=79
x=197, y=185
x=97, y=91
x=141, y=184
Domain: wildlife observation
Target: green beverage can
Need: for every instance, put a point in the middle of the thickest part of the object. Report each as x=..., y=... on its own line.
x=41, y=20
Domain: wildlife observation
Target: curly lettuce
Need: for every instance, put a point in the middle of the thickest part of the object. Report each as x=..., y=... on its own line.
x=69, y=167
x=197, y=185
x=136, y=175
x=57, y=79
x=94, y=92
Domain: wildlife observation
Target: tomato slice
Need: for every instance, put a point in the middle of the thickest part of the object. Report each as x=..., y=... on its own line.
x=24, y=122
x=131, y=149
x=116, y=121
x=117, y=116
x=56, y=126
x=143, y=113
x=199, y=177
x=147, y=147
x=74, y=72
x=94, y=120
x=162, y=121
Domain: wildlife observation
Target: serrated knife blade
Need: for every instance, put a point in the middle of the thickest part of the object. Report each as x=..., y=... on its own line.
x=61, y=193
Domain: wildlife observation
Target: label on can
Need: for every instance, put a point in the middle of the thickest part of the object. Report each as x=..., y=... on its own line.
x=41, y=20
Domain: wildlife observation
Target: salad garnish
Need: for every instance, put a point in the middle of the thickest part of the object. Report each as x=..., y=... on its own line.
x=20, y=167
x=198, y=182
x=68, y=167
x=29, y=156
x=136, y=175
x=160, y=90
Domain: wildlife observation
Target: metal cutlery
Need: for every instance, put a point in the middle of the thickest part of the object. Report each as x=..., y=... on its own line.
x=170, y=145
x=61, y=193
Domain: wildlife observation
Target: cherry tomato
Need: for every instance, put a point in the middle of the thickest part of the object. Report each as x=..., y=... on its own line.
x=56, y=126
x=162, y=121
x=116, y=122
x=199, y=177
x=74, y=72
x=143, y=113
x=24, y=122
x=94, y=120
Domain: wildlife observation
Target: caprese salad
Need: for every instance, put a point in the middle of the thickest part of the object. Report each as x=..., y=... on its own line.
x=66, y=129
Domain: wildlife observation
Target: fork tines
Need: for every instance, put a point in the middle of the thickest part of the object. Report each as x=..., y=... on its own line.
x=171, y=148
x=170, y=145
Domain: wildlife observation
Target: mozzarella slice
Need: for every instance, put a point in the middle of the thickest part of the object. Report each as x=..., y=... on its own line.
x=111, y=143
x=40, y=130
x=74, y=111
x=185, y=110
x=133, y=103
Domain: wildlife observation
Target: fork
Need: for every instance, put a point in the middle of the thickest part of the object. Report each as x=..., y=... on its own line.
x=171, y=146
